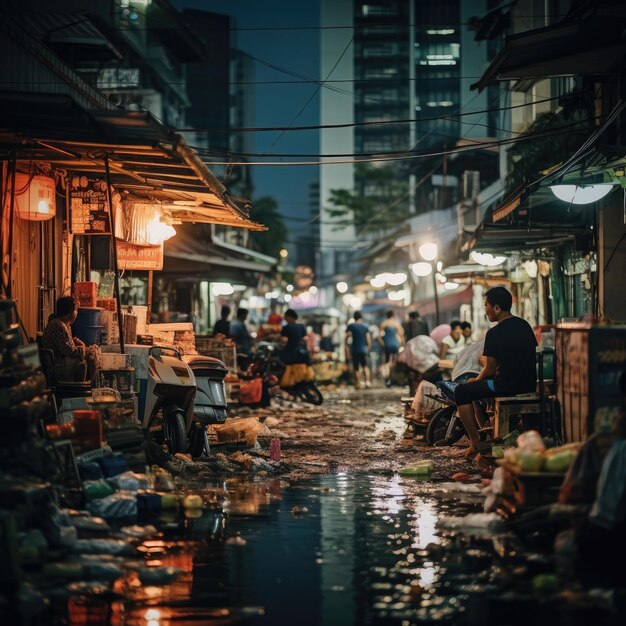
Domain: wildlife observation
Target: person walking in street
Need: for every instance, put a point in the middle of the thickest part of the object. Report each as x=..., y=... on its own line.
x=414, y=326
x=391, y=338
x=222, y=326
x=359, y=350
x=292, y=336
x=453, y=343
x=240, y=333
x=510, y=366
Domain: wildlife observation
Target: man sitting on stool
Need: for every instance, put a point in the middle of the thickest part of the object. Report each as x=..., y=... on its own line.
x=510, y=367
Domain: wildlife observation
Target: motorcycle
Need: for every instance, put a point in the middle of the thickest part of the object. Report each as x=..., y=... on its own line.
x=209, y=405
x=267, y=364
x=169, y=397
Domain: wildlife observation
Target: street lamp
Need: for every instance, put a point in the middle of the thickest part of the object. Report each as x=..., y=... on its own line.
x=429, y=252
x=342, y=286
x=581, y=194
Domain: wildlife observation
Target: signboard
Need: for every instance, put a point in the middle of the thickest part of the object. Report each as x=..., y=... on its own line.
x=89, y=214
x=607, y=361
x=130, y=256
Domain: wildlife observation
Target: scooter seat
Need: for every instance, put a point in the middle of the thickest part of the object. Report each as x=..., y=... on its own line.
x=447, y=388
x=206, y=366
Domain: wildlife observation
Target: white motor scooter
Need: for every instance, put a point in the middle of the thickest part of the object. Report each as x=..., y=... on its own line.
x=169, y=396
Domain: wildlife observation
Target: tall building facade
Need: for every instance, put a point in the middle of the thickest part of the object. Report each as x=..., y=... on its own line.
x=409, y=61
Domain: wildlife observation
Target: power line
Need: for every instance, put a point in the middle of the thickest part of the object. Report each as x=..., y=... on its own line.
x=416, y=120
x=403, y=156
x=395, y=153
x=306, y=104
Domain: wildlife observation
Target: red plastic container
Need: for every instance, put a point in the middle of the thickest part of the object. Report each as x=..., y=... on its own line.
x=88, y=426
x=86, y=293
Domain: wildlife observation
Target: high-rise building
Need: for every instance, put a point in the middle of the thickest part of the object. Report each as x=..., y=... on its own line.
x=405, y=60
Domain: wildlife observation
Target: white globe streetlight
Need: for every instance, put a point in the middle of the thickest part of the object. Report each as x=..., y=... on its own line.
x=396, y=279
x=342, y=287
x=428, y=251
x=422, y=269
x=575, y=194
x=378, y=282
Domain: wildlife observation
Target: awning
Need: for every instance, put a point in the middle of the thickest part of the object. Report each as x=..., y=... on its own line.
x=447, y=303
x=590, y=46
x=190, y=257
x=147, y=160
x=504, y=239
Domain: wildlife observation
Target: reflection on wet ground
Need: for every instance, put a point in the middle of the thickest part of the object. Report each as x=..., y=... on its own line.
x=340, y=549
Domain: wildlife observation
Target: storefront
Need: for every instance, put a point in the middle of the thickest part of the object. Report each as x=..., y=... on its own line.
x=94, y=192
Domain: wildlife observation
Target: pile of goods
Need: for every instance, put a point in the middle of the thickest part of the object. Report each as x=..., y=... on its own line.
x=531, y=455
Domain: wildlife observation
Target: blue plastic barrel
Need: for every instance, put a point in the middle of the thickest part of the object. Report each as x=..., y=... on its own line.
x=88, y=325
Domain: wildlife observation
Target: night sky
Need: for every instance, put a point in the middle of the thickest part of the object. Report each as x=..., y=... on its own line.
x=295, y=49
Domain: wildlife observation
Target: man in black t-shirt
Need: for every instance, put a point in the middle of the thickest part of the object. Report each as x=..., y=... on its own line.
x=510, y=366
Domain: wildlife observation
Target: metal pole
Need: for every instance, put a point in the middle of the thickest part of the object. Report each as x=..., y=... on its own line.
x=120, y=323
x=436, y=295
x=149, y=298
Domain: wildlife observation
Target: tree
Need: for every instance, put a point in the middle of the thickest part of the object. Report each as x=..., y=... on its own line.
x=270, y=242
x=379, y=201
x=527, y=159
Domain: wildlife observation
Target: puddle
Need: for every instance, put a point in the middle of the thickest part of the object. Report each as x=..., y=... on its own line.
x=337, y=550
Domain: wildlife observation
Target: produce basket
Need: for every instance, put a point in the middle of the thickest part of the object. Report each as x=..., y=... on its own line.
x=223, y=350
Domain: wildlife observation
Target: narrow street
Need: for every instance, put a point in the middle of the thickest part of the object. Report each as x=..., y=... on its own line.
x=354, y=431
x=331, y=534
x=211, y=206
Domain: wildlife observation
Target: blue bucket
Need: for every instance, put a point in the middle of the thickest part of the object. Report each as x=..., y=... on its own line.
x=87, y=325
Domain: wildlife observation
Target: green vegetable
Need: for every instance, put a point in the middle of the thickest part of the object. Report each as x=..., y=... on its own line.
x=531, y=462
x=420, y=468
x=560, y=462
x=497, y=452
x=546, y=582
x=169, y=501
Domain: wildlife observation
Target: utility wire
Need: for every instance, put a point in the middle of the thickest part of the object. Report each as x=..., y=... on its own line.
x=396, y=154
x=263, y=129
x=306, y=104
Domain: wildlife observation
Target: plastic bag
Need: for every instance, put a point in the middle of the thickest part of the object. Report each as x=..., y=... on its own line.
x=128, y=481
x=531, y=441
x=117, y=506
x=95, y=489
x=103, y=546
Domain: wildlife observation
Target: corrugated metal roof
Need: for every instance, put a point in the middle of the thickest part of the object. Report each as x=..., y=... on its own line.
x=64, y=28
x=147, y=160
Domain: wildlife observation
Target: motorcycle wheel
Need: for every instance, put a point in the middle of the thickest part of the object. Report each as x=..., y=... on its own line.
x=175, y=431
x=436, y=432
x=198, y=441
x=309, y=392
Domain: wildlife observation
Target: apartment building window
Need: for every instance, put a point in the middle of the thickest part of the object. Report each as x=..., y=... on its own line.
x=381, y=50
x=378, y=10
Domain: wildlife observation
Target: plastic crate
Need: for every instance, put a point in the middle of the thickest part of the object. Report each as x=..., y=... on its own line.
x=226, y=352
x=121, y=380
x=86, y=293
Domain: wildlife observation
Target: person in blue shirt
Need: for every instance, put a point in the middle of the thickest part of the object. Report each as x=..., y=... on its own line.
x=240, y=333
x=391, y=338
x=359, y=349
x=292, y=337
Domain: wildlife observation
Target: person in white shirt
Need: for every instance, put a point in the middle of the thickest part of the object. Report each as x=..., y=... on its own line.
x=453, y=343
x=466, y=331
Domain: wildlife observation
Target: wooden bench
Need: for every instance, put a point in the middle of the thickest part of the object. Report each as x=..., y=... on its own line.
x=508, y=407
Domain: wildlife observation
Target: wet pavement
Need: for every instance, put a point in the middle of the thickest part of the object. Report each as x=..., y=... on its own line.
x=337, y=549
x=339, y=537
